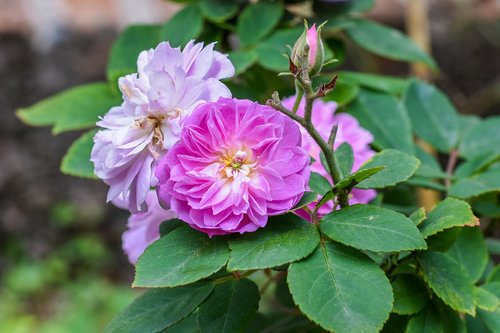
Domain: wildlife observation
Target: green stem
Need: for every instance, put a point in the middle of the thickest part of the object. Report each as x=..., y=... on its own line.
x=300, y=93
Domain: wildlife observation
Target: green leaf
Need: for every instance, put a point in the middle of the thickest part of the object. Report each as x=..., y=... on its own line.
x=242, y=60
x=478, y=164
x=158, y=309
x=125, y=50
x=493, y=246
x=433, y=117
x=449, y=280
x=73, y=109
x=485, y=299
x=344, y=159
x=218, y=10
x=494, y=275
x=476, y=185
x=410, y=295
x=358, y=176
x=448, y=213
x=372, y=228
x=398, y=167
x=386, y=118
x=230, y=307
x=271, y=51
x=429, y=166
x=470, y=251
x=344, y=93
x=307, y=198
x=418, y=216
x=481, y=139
x=386, y=42
x=426, y=321
x=386, y=84
x=256, y=21
x=443, y=241
x=286, y=238
x=341, y=289
x=186, y=325
x=185, y=25
x=319, y=184
x=77, y=162
x=181, y=257
x=491, y=319
x=170, y=225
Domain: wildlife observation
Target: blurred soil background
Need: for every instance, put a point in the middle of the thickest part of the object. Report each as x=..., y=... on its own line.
x=61, y=264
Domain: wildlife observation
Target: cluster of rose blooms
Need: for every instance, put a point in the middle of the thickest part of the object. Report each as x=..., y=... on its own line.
x=180, y=147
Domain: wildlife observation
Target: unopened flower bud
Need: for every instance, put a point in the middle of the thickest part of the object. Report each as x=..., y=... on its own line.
x=316, y=57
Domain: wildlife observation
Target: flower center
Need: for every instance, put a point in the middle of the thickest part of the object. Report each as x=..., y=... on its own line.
x=237, y=164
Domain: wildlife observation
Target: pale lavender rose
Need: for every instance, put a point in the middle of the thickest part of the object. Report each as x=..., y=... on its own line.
x=237, y=163
x=144, y=228
x=349, y=130
x=170, y=83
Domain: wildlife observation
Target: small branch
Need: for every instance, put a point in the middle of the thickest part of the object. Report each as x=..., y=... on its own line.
x=333, y=135
x=276, y=104
x=452, y=161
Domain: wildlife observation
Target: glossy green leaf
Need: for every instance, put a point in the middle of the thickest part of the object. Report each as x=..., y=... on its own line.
x=170, y=225
x=271, y=51
x=341, y=289
x=73, y=109
x=410, y=295
x=242, y=60
x=386, y=118
x=398, y=167
x=158, y=309
x=470, y=251
x=372, y=228
x=286, y=238
x=476, y=185
x=449, y=280
x=433, y=117
x=344, y=93
x=485, y=299
x=386, y=42
x=482, y=138
x=230, y=307
x=448, y=213
x=218, y=10
x=185, y=25
x=357, y=177
x=77, y=162
x=386, y=84
x=132, y=41
x=258, y=20
x=182, y=256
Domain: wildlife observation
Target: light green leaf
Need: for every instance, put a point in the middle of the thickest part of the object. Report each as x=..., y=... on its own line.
x=418, y=216
x=344, y=159
x=77, y=162
x=494, y=275
x=372, y=228
x=476, y=185
x=132, y=41
x=158, y=309
x=286, y=238
x=481, y=139
x=182, y=256
x=341, y=289
x=230, y=307
x=344, y=93
x=485, y=299
x=386, y=84
x=478, y=164
x=448, y=213
x=256, y=21
x=319, y=184
x=491, y=319
x=433, y=117
x=242, y=60
x=470, y=251
x=449, y=280
x=386, y=42
x=185, y=25
x=271, y=51
x=386, y=118
x=358, y=176
x=398, y=167
x=410, y=295
x=73, y=109
x=218, y=10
